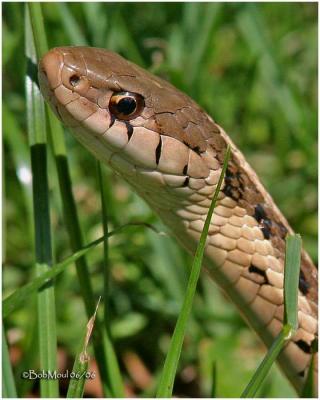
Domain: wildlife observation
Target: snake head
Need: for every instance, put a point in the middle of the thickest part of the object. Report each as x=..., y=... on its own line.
x=129, y=118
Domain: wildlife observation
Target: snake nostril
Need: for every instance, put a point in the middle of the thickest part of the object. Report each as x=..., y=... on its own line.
x=74, y=80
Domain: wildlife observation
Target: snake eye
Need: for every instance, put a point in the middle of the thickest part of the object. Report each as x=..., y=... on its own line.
x=126, y=105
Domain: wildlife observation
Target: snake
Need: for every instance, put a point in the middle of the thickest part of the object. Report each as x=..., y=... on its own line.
x=171, y=152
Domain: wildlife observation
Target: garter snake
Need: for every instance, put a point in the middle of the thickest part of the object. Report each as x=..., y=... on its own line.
x=171, y=152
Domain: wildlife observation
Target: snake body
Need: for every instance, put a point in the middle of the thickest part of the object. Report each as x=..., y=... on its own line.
x=171, y=152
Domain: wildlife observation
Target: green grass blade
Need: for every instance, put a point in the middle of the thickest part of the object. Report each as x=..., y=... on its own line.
x=37, y=142
x=115, y=379
x=308, y=388
x=29, y=360
x=77, y=383
x=14, y=139
x=70, y=213
x=104, y=215
x=263, y=369
x=80, y=367
x=291, y=280
x=40, y=40
x=75, y=235
x=171, y=363
x=113, y=369
x=213, y=393
x=8, y=384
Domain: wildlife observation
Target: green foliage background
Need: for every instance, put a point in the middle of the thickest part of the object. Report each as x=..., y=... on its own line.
x=253, y=67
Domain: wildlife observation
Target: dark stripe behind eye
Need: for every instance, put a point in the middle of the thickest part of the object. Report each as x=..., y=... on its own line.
x=113, y=118
x=129, y=129
x=158, y=151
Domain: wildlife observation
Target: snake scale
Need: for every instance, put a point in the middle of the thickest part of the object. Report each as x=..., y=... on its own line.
x=171, y=152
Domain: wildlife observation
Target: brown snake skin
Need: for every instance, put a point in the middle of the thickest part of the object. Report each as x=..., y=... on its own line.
x=171, y=152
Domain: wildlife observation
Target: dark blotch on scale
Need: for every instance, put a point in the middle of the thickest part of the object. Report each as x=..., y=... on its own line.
x=258, y=271
x=185, y=169
x=312, y=348
x=304, y=346
x=233, y=186
x=266, y=228
x=303, y=284
x=259, y=213
x=196, y=149
x=265, y=223
x=186, y=182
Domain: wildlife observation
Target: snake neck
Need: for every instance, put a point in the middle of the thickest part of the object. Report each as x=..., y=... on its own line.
x=245, y=249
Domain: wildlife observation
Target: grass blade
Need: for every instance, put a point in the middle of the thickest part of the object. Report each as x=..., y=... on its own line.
x=29, y=360
x=113, y=369
x=291, y=280
x=8, y=384
x=80, y=367
x=213, y=393
x=263, y=369
x=171, y=363
x=69, y=209
x=43, y=251
x=106, y=266
x=72, y=223
x=36, y=19
x=79, y=370
x=308, y=389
